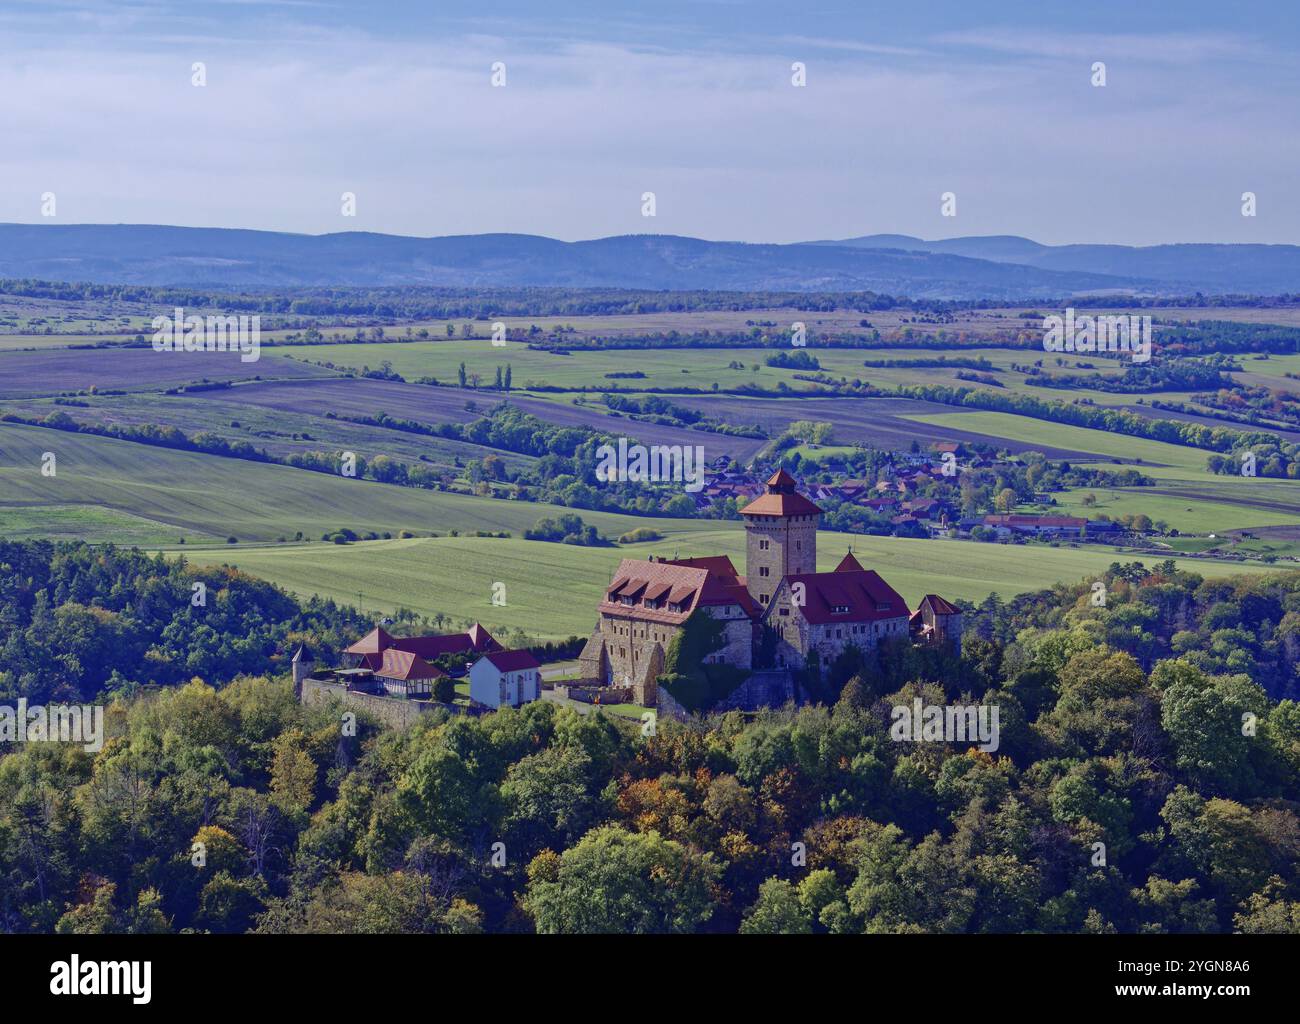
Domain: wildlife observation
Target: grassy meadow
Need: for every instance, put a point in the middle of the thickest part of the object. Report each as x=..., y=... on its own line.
x=552, y=589
x=200, y=497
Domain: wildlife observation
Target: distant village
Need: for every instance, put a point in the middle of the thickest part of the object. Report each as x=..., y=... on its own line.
x=918, y=494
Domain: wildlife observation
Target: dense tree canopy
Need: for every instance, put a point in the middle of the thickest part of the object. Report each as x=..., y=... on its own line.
x=1145, y=780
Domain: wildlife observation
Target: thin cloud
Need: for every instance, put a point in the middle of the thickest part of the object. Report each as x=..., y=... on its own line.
x=1171, y=48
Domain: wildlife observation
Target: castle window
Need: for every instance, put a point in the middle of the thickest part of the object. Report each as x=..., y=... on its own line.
x=785, y=611
x=762, y=570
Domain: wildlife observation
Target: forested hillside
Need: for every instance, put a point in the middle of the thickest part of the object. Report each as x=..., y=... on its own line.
x=1146, y=778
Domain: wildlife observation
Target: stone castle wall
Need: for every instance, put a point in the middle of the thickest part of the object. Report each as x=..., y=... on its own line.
x=395, y=712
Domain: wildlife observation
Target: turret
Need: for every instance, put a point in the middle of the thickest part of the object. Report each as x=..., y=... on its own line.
x=303, y=663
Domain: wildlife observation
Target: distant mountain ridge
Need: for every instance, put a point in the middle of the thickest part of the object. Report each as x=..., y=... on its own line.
x=1200, y=266
x=997, y=267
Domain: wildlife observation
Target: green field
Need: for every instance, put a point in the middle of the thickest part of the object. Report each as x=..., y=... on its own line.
x=279, y=433
x=698, y=368
x=552, y=589
x=1173, y=460
x=77, y=522
x=663, y=368
x=1186, y=495
x=205, y=496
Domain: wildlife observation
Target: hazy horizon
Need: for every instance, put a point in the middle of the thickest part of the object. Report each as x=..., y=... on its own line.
x=695, y=103
x=933, y=239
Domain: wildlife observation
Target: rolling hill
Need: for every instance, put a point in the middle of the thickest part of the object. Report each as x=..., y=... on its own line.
x=1258, y=269
x=993, y=267
x=209, y=257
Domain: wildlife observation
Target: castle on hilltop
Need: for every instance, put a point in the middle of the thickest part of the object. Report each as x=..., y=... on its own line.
x=649, y=601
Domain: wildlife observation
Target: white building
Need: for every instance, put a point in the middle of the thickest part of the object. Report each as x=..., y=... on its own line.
x=505, y=678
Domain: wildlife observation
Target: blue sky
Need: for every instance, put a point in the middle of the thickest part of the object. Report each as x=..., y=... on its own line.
x=692, y=101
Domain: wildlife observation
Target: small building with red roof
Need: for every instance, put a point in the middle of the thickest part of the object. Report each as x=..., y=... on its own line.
x=505, y=679
x=404, y=665
x=937, y=621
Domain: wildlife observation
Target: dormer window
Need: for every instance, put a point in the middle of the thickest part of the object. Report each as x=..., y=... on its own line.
x=839, y=609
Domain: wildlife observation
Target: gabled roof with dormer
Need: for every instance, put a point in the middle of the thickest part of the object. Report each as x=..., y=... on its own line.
x=654, y=587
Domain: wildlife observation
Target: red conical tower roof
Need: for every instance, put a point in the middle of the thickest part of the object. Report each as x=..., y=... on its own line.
x=781, y=499
x=849, y=564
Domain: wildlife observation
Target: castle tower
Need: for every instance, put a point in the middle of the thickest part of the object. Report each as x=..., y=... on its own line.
x=303, y=663
x=780, y=536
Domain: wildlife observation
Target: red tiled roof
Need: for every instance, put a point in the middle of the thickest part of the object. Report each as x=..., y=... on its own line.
x=717, y=565
x=781, y=499
x=938, y=605
x=866, y=596
x=635, y=576
x=681, y=594
x=482, y=639
x=406, y=666
x=372, y=643
x=512, y=661
x=427, y=647
x=724, y=586
x=657, y=590
x=849, y=564
x=780, y=505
